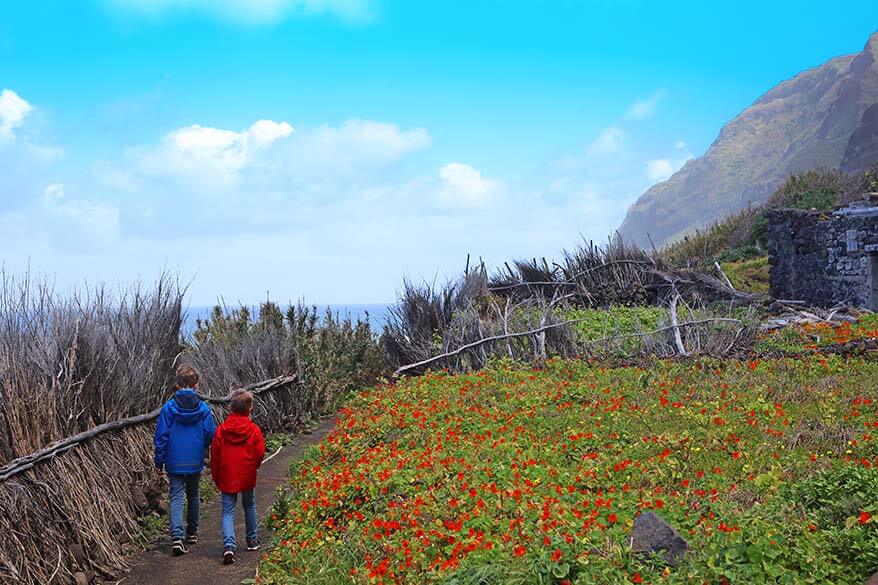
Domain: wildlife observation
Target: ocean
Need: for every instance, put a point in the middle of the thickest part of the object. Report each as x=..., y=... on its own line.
x=376, y=314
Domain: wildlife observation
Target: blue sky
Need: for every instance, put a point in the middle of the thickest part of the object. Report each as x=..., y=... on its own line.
x=326, y=148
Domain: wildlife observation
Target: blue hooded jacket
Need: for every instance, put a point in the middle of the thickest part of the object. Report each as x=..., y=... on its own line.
x=184, y=431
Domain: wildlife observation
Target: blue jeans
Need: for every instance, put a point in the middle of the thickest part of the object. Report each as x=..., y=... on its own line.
x=230, y=501
x=180, y=485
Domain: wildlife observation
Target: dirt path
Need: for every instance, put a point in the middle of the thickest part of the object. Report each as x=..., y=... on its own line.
x=203, y=565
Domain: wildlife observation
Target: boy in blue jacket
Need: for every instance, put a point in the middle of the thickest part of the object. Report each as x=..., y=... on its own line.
x=182, y=436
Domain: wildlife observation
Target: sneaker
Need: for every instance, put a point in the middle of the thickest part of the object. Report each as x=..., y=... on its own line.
x=228, y=556
x=253, y=544
x=178, y=548
x=191, y=539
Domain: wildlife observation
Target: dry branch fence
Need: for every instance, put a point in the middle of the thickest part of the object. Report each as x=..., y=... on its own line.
x=73, y=506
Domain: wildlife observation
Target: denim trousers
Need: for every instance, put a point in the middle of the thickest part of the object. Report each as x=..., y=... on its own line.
x=184, y=486
x=230, y=501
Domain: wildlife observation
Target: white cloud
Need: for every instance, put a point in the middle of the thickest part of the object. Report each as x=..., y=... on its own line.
x=212, y=158
x=609, y=141
x=680, y=145
x=96, y=220
x=252, y=12
x=268, y=158
x=659, y=170
x=645, y=108
x=358, y=143
x=662, y=169
x=13, y=110
x=259, y=192
x=464, y=186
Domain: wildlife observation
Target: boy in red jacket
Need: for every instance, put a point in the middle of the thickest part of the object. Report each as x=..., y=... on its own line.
x=235, y=455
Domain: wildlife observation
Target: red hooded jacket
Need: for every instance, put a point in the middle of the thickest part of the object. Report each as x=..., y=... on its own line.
x=236, y=453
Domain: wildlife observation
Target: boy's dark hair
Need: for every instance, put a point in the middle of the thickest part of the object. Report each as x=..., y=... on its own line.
x=186, y=377
x=242, y=402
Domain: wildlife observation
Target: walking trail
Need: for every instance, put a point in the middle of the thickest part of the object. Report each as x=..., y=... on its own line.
x=203, y=565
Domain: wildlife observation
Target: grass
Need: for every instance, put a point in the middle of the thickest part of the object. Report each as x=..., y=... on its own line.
x=150, y=530
x=750, y=275
x=744, y=234
x=275, y=441
x=521, y=476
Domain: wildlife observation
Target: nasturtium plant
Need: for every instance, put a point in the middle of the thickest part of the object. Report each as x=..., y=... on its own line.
x=512, y=475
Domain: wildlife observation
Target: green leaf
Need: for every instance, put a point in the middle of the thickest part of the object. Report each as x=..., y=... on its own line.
x=561, y=571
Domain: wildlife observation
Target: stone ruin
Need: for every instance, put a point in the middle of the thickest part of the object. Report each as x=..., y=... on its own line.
x=825, y=258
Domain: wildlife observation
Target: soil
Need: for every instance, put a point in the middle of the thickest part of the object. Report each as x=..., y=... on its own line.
x=203, y=565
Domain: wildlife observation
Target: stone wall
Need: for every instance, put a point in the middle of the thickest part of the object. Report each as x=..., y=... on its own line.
x=810, y=259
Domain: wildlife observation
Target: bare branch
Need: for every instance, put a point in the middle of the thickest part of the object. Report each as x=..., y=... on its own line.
x=678, y=340
x=722, y=274
x=483, y=341
x=556, y=325
x=22, y=464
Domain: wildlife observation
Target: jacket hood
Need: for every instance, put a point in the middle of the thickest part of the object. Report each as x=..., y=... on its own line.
x=187, y=407
x=238, y=428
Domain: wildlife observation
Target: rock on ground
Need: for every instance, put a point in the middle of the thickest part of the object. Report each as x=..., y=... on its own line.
x=652, y=534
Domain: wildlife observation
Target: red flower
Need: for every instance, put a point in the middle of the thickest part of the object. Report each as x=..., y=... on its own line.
x=612, y=518
x=556, y=555
x=519, y=550
x=865, y=517
x=636, y=578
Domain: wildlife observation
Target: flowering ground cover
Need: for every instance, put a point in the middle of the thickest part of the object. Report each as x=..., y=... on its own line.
x=510, y=475
x=798, y=338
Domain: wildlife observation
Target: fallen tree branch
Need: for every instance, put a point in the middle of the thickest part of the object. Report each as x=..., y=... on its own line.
x=256, y=389
x=678, y=339
x=613, y=263
x=722, y=274
x=26, y=462
x=572, y=281
x=555, y=325
x=482, y=342
x=272, y=456
x=668, y=328
x=531, y=283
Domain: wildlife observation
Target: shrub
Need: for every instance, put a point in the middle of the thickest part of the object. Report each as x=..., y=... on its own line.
x=428, y=321
x=332, y=356
x=67, y=363
x=748, y=229
x=70, y=362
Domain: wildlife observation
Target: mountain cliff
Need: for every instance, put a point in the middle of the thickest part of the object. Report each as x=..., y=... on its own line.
x=862, y=150
x=813, y=120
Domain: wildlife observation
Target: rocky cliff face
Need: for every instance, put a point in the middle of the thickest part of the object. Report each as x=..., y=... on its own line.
x=862, y=150
x=807, y=122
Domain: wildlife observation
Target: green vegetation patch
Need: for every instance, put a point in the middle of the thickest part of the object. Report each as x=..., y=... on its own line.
x=594, y=324
x=748, y=275
x=524, y=476
x=744, y=234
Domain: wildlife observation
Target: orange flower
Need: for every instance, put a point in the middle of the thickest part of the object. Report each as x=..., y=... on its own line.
x=519, y=550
